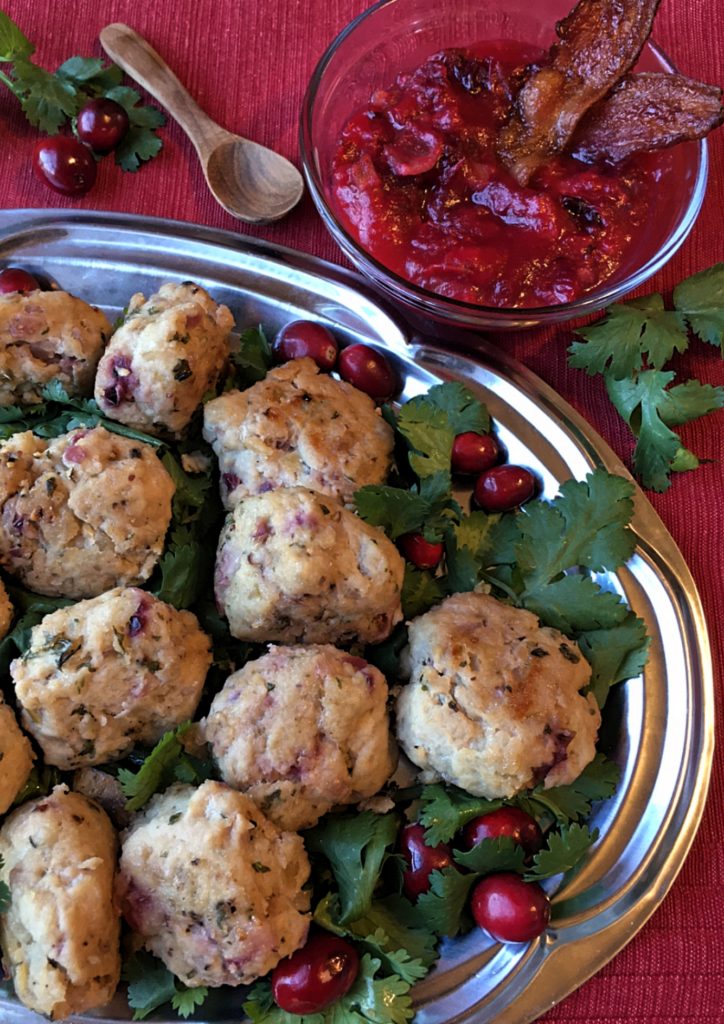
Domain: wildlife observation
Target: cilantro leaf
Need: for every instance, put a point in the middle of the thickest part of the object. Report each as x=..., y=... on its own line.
x=646, y=405
x=157, y=771
x=564, y=850
x=386, y=655
x=151, y=984
x=136, y=147
x=615, y=654
x=4, y=891
x=441, y=907
x=47, y=101
x=631, y=333
x=700, y=300
x=356, y=847
x=181, y=569
x=468, y=545
x=446, y=809
x=185, y=1001
x=420, y=591
x=80, y=69
x=572, y=802
x=393, y=510
x=427, y=430
x=464, y=411
x=499, y=854
x=39, y=783
x=253, y=359
x=13, y=41
x=575, y=603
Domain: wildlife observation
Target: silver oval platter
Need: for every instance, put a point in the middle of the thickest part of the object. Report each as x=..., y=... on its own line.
x=658, y=727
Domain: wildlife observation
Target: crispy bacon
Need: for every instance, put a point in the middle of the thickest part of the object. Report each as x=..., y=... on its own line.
x=647, y=111
x=598, y=43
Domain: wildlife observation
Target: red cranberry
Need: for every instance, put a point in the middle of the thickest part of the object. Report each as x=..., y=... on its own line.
x=368, y=370
x=474, y=453
x=316, y=975
x=101, y=124
x=506, y=821
x=510, y=909
x=421, y=859
x=65, y=164
x=503, y=488
x=306, y=338
x=422, y=553
x=13, y=279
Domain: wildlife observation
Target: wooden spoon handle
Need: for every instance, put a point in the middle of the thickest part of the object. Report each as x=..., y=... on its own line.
x=139, y=60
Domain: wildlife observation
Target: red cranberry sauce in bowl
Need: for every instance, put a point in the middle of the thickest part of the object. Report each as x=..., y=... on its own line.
x=418, y=184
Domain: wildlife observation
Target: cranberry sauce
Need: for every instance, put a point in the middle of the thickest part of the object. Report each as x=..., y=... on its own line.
x=417, y=182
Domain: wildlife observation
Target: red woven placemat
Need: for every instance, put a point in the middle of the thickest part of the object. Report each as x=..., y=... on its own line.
x=248, y=62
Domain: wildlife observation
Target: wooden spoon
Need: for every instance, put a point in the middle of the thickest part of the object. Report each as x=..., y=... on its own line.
x=251, y=182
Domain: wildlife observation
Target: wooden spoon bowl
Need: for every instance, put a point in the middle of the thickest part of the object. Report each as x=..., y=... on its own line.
x=251, y=182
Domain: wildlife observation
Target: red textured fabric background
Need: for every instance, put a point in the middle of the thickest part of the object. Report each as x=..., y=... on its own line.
x=248, y=62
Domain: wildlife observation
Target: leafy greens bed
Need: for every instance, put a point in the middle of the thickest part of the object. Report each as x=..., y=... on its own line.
x=543, y=558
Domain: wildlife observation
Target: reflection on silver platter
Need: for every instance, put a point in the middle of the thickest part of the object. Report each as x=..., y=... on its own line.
x=659, y=728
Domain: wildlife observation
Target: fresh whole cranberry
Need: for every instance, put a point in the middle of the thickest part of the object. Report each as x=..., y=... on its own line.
x=368, y=370
x=503, y=488
x=316, y=975
x=421, y=860
x=422, y=553
x=101, y=124
x=64, y=164
x=306, y=338
x=510, y=909
x=14, y=279
x=506, y=821
x=474, y=453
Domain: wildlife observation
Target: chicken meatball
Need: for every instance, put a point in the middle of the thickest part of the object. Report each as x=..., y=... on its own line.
x=297, y=427
x=16, y=757
x=163, y=359
x=47, y=336
x=213, y=888
x=60, y=935
x=493, y=704
x=82, y=513
x=107, y=673
x=302, y=729
x=294, y=565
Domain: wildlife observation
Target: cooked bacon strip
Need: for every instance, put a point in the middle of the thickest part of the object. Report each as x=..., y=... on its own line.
x=598, y=42
x=647, y=111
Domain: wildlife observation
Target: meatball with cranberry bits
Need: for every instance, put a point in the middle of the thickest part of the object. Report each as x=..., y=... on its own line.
x=295, y=566
x=104, y=674
x=82, y=513
x=48, y=336
x=302, y=729
x=16, y=757
x=164, y=358
x=494, y=702
x=297, y=427
x=211, y=887
x=60, y=934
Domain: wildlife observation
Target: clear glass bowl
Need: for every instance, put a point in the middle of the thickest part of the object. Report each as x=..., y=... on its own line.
x=397, y=35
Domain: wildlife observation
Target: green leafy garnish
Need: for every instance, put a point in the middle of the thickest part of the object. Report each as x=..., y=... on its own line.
x=442, y=907
x=151, y=985
x=356, y=847
x=572, y=802
x=445, y=809
x=252, y=360
x=631, y=347
x=564, y=850
x=371, y=1000
x=499, y=854
x=51, y=100
x=167, y=763
x=420, y=591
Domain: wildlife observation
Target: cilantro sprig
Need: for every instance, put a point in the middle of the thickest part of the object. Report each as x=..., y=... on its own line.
x=167, y=763
x=151, y=985
x=51, y=100
x=630, y=349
